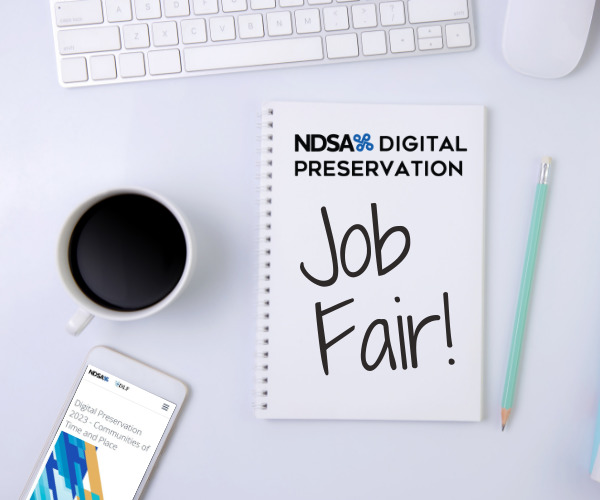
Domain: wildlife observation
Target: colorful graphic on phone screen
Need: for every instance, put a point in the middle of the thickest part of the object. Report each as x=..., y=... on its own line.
x=71, y=472
x=105, y=441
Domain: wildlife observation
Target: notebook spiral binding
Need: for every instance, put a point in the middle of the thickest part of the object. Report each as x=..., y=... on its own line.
x=264, y=263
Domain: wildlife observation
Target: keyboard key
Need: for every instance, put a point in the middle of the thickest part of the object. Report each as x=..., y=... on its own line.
x=308, y=21
x=429, y=32
x=373, y=43
x=279, y=23
x=318, y=2
x=73, y=70
x=135, y=36
x=339, y=46
x=165, y=34
x=103, y=67
x=78, y=41
x=430, y=43
x=131, y=64
x=392, y=13
x=177, y=8
x=428, y=11
x=78, y=12
x=164, y=62
x=147, y=9
x=335, y=18
x=222, y=28
x=202, y=7
x=262, y=4
x=291, y=3
x=458, y=35
x=253, y=53
x=193, y=31
x=118, y=10
x=234, y=5
x=364, y=16
x=402, y=40
x=251, y=26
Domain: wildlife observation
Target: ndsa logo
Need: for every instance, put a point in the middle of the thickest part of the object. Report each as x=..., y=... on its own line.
x=316, y=143
x=96, y=374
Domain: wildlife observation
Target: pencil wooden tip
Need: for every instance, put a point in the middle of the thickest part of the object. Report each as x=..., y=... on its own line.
x=505, y=415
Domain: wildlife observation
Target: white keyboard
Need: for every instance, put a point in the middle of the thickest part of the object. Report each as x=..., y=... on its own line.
x=110, y=41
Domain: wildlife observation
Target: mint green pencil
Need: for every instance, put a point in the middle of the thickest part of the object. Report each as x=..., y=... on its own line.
x=524, y=291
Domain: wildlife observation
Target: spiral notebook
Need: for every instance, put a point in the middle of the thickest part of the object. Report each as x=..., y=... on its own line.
x=371, y=262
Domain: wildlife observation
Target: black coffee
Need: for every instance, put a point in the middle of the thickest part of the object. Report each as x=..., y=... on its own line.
x=127, y=252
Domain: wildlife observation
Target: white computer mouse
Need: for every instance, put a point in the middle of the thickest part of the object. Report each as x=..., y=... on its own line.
x=546, y=38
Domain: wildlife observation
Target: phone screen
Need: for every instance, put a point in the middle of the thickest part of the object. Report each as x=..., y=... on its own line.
x=105, y=442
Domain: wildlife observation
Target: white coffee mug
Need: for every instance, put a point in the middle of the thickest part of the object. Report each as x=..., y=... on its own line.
x=87, y=307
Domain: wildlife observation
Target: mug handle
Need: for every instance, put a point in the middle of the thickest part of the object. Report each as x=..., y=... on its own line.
x=79, y=321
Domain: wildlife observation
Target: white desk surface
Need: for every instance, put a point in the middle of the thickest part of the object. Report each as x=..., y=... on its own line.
x=194, y=140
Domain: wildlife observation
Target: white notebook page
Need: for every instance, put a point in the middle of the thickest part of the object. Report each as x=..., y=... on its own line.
x=415, y=349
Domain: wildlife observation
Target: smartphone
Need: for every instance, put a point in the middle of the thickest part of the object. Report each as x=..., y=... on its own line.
x=109, y=433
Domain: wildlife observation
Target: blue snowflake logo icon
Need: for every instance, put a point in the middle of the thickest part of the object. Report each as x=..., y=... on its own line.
x=363, y=142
